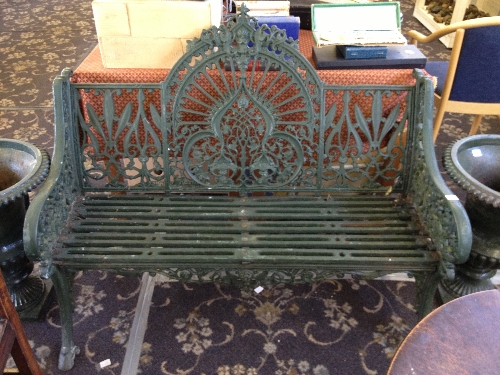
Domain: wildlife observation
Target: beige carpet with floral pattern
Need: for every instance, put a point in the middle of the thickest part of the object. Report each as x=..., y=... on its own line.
x=335, y=327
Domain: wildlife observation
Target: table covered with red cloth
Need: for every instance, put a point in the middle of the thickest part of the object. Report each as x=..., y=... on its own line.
x=91, y=70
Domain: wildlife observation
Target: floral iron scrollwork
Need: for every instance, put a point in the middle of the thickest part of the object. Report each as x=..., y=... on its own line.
x=365, y=150
x=121, y=148
x=242, y=106
x=250, y=278
x=242, y=148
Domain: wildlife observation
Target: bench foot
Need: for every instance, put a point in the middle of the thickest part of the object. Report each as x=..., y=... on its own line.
x=63, y=284
x=67, y=357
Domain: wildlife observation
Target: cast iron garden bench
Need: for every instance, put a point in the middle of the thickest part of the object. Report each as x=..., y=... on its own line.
x=244, y=167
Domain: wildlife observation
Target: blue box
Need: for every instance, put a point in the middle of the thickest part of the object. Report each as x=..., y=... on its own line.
x=398, y=57
x=290, y=24
x=363, y=52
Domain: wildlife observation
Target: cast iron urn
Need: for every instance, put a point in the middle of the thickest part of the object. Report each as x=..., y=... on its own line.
x=474, y=163
x=22, y=167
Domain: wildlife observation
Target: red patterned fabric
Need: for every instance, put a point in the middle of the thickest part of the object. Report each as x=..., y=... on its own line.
x=92, y=71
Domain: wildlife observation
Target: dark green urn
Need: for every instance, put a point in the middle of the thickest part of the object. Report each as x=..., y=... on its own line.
x=22, y=167
x=474, y=163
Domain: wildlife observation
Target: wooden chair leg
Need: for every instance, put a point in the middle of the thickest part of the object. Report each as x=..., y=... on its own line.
x=438, y=120
x=7, y=338
x=16, y=343
x=475, y=124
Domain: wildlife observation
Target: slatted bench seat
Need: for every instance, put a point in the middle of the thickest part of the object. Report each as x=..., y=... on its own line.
x=245, y=173
x=303, y=232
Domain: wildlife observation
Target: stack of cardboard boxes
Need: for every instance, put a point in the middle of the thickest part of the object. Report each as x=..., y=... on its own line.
x=150, y=33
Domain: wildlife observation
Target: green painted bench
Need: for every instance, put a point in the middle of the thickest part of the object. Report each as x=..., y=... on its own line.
x=244, y=167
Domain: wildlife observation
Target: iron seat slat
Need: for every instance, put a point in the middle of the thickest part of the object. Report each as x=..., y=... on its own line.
x=247, y=215
x=311, y=209
x=382, y=227
x=251, y=243
x=218, y=202
x=295, y=258
x=112, y=227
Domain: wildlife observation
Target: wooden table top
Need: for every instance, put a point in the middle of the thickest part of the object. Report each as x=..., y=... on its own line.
x=460, y=337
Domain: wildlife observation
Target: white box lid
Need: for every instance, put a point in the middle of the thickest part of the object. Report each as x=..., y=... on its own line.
x=357, y=23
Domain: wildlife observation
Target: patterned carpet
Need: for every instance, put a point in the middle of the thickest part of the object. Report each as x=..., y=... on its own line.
x=335, y=327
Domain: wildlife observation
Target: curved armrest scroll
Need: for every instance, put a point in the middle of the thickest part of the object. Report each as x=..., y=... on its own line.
x=446, y=219
x=49, y=206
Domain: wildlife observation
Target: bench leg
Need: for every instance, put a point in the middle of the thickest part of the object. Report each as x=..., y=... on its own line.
x=426, y=284
x=63, y=285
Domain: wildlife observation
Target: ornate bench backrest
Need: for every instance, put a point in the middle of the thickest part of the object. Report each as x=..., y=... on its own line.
x=244, y=110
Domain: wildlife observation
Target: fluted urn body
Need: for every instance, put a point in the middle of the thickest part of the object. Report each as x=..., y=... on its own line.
x=474, y=163
x=22, y=167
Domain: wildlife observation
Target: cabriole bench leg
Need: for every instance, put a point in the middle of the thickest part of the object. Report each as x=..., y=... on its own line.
x=63, y=285
x=426, y=284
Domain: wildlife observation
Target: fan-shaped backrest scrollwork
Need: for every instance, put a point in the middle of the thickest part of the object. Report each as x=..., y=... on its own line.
x=243, y=108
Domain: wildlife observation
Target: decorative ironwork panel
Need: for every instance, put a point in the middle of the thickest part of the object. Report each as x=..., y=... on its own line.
x=249, y=278
x=120, y=136
x=243, y=109
x=365, y=137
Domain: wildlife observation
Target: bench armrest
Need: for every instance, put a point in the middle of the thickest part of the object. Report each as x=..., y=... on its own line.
x=444, y=219
x=49, y=209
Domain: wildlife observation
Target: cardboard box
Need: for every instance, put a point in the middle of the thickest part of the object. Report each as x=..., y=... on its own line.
x=150, y=33
x=377, y=23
